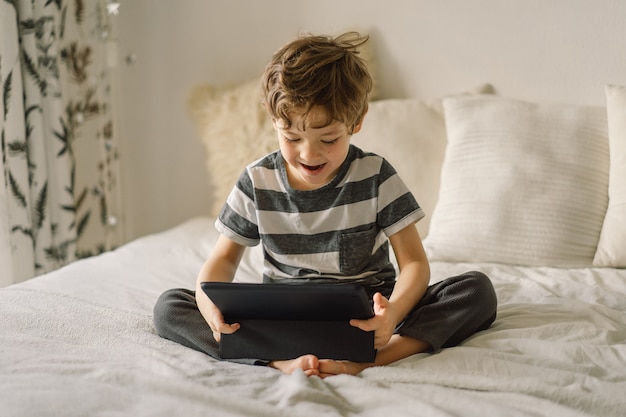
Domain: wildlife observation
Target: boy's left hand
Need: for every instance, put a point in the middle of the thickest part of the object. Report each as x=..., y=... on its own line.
x=383, y=323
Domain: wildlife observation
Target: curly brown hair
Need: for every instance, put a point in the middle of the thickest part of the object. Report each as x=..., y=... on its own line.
x=322, y=72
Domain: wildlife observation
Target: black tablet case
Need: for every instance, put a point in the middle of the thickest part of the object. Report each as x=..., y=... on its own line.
x=282, y=321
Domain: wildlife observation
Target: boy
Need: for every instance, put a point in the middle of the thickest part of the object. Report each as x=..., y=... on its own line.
x=326, y=211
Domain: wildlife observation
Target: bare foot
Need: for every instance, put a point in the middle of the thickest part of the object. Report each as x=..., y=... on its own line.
x=308, y=363
x=330, y=367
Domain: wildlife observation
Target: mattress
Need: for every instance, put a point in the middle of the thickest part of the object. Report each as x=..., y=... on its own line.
x=80, y=341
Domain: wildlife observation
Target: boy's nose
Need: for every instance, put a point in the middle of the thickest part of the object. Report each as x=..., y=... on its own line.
x=308, y=151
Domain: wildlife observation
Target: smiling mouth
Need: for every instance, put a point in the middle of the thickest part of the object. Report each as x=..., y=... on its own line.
x=312, y=168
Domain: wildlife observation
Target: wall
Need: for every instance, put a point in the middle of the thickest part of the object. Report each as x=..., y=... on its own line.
x=548, y=50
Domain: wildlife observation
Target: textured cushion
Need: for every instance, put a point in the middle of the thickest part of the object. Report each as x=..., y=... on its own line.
x=612, y=246
x=521, y=183
x=235, y=129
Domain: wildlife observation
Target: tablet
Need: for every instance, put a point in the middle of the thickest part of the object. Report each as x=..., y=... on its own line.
x=321, y=302
x=285, y=321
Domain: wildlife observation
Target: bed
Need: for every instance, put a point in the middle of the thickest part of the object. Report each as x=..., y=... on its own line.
x=80, y=341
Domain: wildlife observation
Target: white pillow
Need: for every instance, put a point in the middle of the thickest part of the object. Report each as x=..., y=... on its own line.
x=411, y=134
x=612, y=246
x=522, y=183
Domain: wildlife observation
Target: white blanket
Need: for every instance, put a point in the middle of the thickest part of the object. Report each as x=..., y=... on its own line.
x=80, y=342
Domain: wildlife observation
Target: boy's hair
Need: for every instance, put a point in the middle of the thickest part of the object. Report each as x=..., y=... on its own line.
x=318, y=71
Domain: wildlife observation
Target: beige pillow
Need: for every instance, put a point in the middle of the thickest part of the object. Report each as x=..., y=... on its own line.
x=235, y=129
x=611, y=250
x=522, y=183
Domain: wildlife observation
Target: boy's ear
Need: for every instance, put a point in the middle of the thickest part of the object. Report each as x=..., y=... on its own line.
x=359, y=125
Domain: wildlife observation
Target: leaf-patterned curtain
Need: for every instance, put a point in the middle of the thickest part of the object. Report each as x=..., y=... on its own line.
x=59, y=190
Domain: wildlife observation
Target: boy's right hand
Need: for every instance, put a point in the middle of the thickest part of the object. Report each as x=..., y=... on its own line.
x=218, y=325
x=214, y=317
x=220, y=266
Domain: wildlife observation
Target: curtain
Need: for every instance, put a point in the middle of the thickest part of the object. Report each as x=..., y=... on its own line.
x=59, y=172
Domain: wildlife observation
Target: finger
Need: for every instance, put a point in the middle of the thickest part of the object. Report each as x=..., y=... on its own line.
x=365, y=325
x=226, y=328
x=380, y=302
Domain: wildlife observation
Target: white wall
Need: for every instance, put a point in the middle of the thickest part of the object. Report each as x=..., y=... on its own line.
x=548, y=50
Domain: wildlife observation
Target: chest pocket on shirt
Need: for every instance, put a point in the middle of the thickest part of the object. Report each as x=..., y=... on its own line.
x=355, y=250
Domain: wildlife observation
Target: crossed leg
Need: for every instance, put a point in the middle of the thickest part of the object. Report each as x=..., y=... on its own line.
x=399, y=347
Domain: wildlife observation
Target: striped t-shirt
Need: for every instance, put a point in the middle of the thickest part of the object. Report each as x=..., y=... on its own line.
x=337, y=231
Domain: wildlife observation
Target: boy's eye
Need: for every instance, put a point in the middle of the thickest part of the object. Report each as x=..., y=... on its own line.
x=291, y=140
x=330, y=142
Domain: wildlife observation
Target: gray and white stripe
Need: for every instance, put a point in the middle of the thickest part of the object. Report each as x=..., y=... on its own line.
x=337, y=231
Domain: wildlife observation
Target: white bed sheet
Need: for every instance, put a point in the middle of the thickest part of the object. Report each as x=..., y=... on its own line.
x=80, y=342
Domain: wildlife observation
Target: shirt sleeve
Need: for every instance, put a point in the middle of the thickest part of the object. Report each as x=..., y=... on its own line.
x=397, y=207
x=237, y=219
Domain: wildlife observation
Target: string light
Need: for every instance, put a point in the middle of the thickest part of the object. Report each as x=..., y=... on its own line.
x=113, y=8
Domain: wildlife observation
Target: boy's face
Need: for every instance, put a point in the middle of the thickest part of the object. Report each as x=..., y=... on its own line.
x=313, y=156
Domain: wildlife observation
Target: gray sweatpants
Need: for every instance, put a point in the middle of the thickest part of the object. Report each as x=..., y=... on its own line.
x=449, y=312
